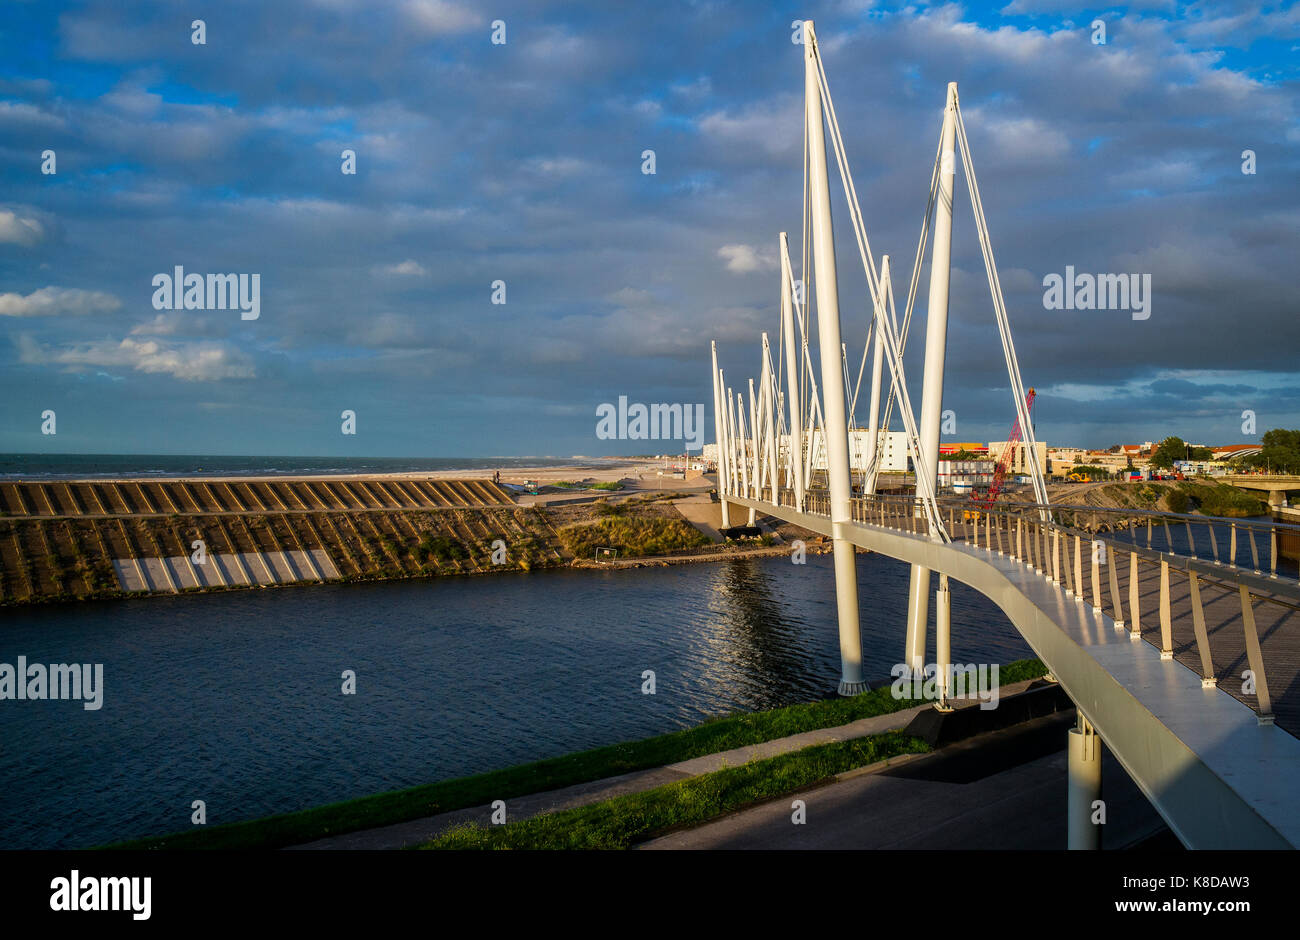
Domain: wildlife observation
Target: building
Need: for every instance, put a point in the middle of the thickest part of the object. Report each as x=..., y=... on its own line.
x=1062, y=460
x=893, y=455
x=1112, y=462
x=1018, y=461
x=965, y=475
x=969, y=447
x=1235, y=451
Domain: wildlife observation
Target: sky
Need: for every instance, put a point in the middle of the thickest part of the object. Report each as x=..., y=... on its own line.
x=522, y=162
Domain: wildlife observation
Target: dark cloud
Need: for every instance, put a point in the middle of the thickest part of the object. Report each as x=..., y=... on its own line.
x=522, y=163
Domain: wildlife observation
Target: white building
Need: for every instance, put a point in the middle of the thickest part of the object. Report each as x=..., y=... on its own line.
x=893, y=454
x=965, y=474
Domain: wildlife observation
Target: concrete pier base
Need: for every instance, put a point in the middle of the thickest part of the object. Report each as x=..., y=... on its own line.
x=1084, y=787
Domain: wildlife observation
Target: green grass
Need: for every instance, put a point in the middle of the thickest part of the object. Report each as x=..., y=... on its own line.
x=711, y=737
x=608, y=485
x=633, y=535
x=1220, y=499
x=626, y=820
x=441, y=547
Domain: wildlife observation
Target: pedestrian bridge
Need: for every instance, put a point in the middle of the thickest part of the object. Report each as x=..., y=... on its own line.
x=1147, y=628
x=1175, y=635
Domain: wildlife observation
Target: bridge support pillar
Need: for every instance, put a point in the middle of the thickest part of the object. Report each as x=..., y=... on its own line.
x=943, y=642
x=835, y=423
x=1084, y=787
x=918, y=617
x=846, y=600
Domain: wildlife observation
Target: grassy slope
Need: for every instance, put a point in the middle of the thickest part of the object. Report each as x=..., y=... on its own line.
x=626, y=820
x=383, y=809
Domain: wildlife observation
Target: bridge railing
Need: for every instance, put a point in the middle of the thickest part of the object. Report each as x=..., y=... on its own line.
x=1174, y=564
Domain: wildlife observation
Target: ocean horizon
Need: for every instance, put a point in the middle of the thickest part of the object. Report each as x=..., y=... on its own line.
x=71, y=466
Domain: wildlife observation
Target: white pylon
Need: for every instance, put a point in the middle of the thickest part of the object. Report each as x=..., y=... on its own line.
x=720, y=433
x=877, y=367
x=769, y=417
x=936, y=342
x=742, y=457
x=835, y=424
x=792, y=377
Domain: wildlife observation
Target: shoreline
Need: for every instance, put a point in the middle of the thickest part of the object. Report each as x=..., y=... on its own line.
x=102, y=539
x=648, y=561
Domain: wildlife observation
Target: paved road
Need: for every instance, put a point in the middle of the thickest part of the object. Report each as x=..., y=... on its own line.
x=1000, y=791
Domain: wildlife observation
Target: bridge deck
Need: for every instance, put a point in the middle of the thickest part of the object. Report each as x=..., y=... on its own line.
x=1219, y=778
x=1277, y=617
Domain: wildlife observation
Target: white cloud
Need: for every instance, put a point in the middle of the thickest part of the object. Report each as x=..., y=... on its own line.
x=630, y=297
x=407, y=268
x=20, y=230
x=57, y=301
x=385, y=330
x=742, y=259
x=189, y=362
x=772, y=126
x=19, y=112
x=435, y=17
x=559, y=166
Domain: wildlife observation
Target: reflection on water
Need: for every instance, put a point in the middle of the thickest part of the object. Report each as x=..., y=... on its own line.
x=235, y=698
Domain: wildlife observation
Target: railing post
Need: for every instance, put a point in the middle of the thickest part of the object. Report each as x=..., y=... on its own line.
x=1078, y=569
x=1232, y=550
x=1254, y=552
x=1117, y=603
x=1255, y=658
x=1096, y=575
x=1166, y=626
x=1020, y=552
x=1056, y=556
x=1202, y=638
x=1134, y=598
x=1069, y=567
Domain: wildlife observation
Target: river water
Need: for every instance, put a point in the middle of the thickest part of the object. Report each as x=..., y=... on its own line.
x=235, y=699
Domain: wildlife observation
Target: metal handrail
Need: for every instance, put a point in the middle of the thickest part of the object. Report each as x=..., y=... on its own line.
x=1023, y=534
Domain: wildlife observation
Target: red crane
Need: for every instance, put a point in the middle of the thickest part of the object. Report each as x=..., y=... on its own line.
x=1008, y=453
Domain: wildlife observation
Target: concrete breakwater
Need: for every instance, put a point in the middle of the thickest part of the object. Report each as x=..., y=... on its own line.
x=97, y=538
x=80, y=539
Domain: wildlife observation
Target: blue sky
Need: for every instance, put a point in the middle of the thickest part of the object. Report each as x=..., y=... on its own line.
x=522, y=163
